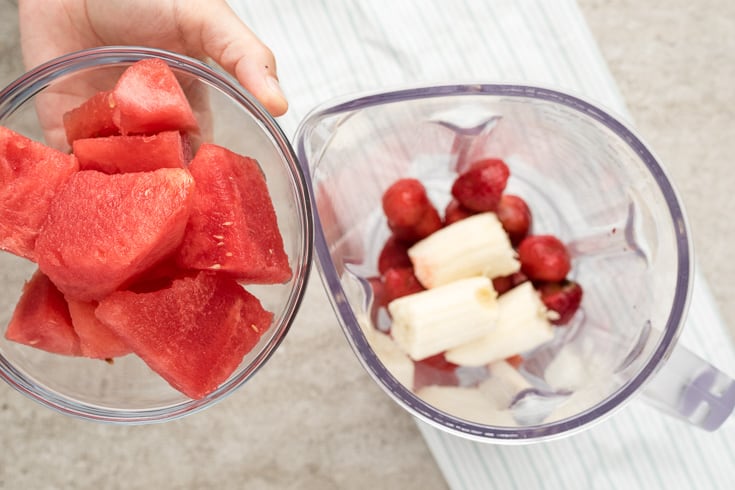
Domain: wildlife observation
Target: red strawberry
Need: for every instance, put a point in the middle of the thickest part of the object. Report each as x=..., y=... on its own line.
x=515, y=360
x=411, y=216
x=479, y=188
x=429, y=223
x=434, y=370
x=380, y=322
x=405, y=202
x=562, y=297
x=376, y=284
x=455, y=212
x=393, y=255
x=503, y=284
x=399, y=282
x=544, y=258
x=515, y=216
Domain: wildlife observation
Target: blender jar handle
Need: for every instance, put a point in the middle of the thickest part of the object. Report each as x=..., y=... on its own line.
x=691, y=389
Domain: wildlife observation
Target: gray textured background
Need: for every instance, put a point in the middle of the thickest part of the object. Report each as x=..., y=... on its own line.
x=674, y=61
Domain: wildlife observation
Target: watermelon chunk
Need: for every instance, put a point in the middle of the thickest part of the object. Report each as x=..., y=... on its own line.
x=91, y=119
x=41, y=319
x=194, y=334
x=133, y=153
x=30, y=175
x=96, y=340
x=158, y=276
x=233, y=226
x=102, y=230
x=149, y=99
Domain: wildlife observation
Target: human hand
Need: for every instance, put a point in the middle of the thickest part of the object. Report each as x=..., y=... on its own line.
x=51, y=28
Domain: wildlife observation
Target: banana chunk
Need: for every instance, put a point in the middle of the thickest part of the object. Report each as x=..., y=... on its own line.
x=467, y=403
x=475, y=246
x=435, y=320
x=522, y=325
x=390, y=355
x=503, y=383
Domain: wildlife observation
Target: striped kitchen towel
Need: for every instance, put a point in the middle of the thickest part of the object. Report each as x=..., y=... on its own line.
x=330, y=48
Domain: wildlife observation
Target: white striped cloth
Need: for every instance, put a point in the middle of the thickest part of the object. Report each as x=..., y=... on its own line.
x=329, y=48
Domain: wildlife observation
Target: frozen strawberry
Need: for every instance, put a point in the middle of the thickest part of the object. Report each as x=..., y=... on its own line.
x=544, y=258
x=378, y=290
x=429, y=223
x=376, y=284
x=405, y=202
x=515, y=216
x=562, y=297
x=515, y=360
x=393, y=255
x=399, y=282
x=455, y=212
x=480, y=188
x=411, y=215
x=434, y=370
x=503, y=284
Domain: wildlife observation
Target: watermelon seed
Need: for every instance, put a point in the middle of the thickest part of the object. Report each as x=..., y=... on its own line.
x=216, y=266
x=227, y=223
x=218, y=237
x=228, y=254
x=254, y=327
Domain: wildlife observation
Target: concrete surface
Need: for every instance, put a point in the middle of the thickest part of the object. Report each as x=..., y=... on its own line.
x=675, y=63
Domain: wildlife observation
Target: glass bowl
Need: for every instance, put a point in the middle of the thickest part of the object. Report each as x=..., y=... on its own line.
x=127, y=391
x=588, y=179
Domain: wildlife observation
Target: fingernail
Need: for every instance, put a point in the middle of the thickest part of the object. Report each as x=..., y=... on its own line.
x=274, y=86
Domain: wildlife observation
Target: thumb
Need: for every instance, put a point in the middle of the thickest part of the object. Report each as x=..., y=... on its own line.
x=232, y=45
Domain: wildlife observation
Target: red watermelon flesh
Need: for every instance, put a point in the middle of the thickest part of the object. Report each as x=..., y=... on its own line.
x=233, y=226
x=194, y=333
x=158, y=276
x=91, y=119
x=41, y=319
x=132, y=153
x=148, y=99
x=30, y=175
x=96, y=339
x=102, y=230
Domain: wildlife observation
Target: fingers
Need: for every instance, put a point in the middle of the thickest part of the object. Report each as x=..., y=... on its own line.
x=230, y=43
x=194, y=27
x=264, y=86
x=47, y=30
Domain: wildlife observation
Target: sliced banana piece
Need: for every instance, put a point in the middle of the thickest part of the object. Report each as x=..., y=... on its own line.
x=435, y=320
x=521, y=326
x=468, y=404
x=393, y=357
x=474, y=246
x=582, y=399
x=567, y=370
x=503, y=383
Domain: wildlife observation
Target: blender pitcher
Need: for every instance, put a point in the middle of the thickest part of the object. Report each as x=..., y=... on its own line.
x=589, y=180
